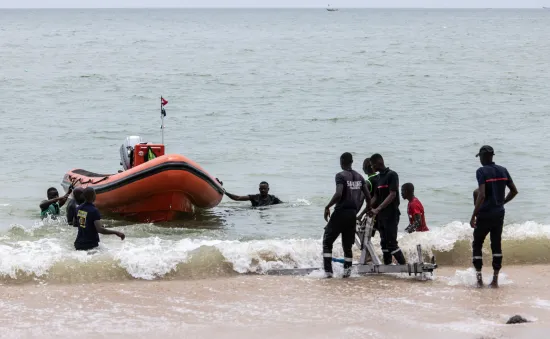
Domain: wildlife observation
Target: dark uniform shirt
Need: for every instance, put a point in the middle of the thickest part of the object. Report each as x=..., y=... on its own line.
x=352, y=195
x=388, y=182
x=495, y=178
x=258, y=201
x=86, y=216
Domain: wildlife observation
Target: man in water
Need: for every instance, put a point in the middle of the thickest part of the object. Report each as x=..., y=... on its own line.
x=351, y=189
x=88, y=221
x=488, y=215
x=71, y=206
x=257, y=200
x=51, y=207
x=415, y=210
x=387, y=212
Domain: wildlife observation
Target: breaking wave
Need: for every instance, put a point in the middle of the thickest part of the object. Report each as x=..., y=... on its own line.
x=36, y=255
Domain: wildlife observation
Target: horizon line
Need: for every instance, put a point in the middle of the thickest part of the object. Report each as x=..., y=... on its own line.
x=247, y=7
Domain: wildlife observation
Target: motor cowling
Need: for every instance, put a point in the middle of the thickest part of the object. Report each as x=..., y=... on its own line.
x=127, y=151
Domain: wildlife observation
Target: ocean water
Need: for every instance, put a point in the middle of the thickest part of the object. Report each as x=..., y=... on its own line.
x=273, y=95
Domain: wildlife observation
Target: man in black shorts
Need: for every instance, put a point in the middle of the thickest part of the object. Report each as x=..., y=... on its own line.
x=258, y=200
x=488, y=215
x=351, y=189
x=387, y=212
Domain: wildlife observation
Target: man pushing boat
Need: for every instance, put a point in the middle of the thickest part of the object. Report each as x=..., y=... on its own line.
x=51, y=206
x=257, y=200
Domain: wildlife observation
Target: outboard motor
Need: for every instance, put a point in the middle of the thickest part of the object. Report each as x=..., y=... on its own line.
x=127, y=151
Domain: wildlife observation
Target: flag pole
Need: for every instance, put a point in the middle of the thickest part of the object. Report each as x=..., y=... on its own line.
x=162, y=121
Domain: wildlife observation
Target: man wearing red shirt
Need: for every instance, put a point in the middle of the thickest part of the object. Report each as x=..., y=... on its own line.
x=415, y=210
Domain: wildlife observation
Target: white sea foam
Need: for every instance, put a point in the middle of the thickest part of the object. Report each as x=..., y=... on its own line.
x=155, y=257
x=467, y=278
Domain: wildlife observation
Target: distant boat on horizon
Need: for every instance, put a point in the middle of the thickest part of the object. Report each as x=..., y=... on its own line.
x=331, y=9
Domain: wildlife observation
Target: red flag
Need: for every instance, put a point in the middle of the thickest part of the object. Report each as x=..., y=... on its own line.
x=163, y=101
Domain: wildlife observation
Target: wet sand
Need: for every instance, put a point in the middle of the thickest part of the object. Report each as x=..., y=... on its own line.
x=251, y=306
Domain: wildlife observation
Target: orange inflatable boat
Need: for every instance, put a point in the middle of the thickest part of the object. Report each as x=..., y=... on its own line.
x=153, y=187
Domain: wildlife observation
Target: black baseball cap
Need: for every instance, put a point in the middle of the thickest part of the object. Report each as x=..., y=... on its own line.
x=486, y=149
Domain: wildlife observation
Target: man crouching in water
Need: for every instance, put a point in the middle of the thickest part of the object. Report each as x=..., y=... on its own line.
x=88, y=221
x=351, y=189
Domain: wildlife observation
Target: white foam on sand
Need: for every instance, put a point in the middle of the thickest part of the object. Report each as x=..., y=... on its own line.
x=468, y=278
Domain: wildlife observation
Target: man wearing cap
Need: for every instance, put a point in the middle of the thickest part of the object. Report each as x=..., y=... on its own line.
x=488, y=215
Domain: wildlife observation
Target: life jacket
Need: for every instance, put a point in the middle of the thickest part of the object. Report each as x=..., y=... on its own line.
x=52, y=210
x=150, y=154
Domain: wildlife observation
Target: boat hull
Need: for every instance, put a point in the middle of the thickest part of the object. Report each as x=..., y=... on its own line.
x=162, y=189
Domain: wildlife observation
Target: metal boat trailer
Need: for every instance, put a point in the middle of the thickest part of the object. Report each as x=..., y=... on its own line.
x=369, y=262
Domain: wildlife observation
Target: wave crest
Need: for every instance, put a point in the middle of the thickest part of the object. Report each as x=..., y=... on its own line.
x=53, y=259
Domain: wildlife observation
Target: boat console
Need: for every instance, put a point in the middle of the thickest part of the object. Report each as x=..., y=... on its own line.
x=134, y=152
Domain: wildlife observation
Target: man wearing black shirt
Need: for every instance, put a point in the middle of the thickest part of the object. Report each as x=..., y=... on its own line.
x=488, y=215
x=351, y=189
x=387, y=212
x=88, y=222
x=257, y=200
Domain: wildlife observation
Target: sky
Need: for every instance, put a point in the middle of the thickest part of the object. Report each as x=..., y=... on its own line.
x=274, y=3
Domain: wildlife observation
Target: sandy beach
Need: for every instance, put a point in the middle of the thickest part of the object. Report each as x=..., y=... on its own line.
x=254, y=306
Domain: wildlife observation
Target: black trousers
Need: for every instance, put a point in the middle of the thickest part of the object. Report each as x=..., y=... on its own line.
x=341, y=222
x=387, y=226
x=484, y=226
